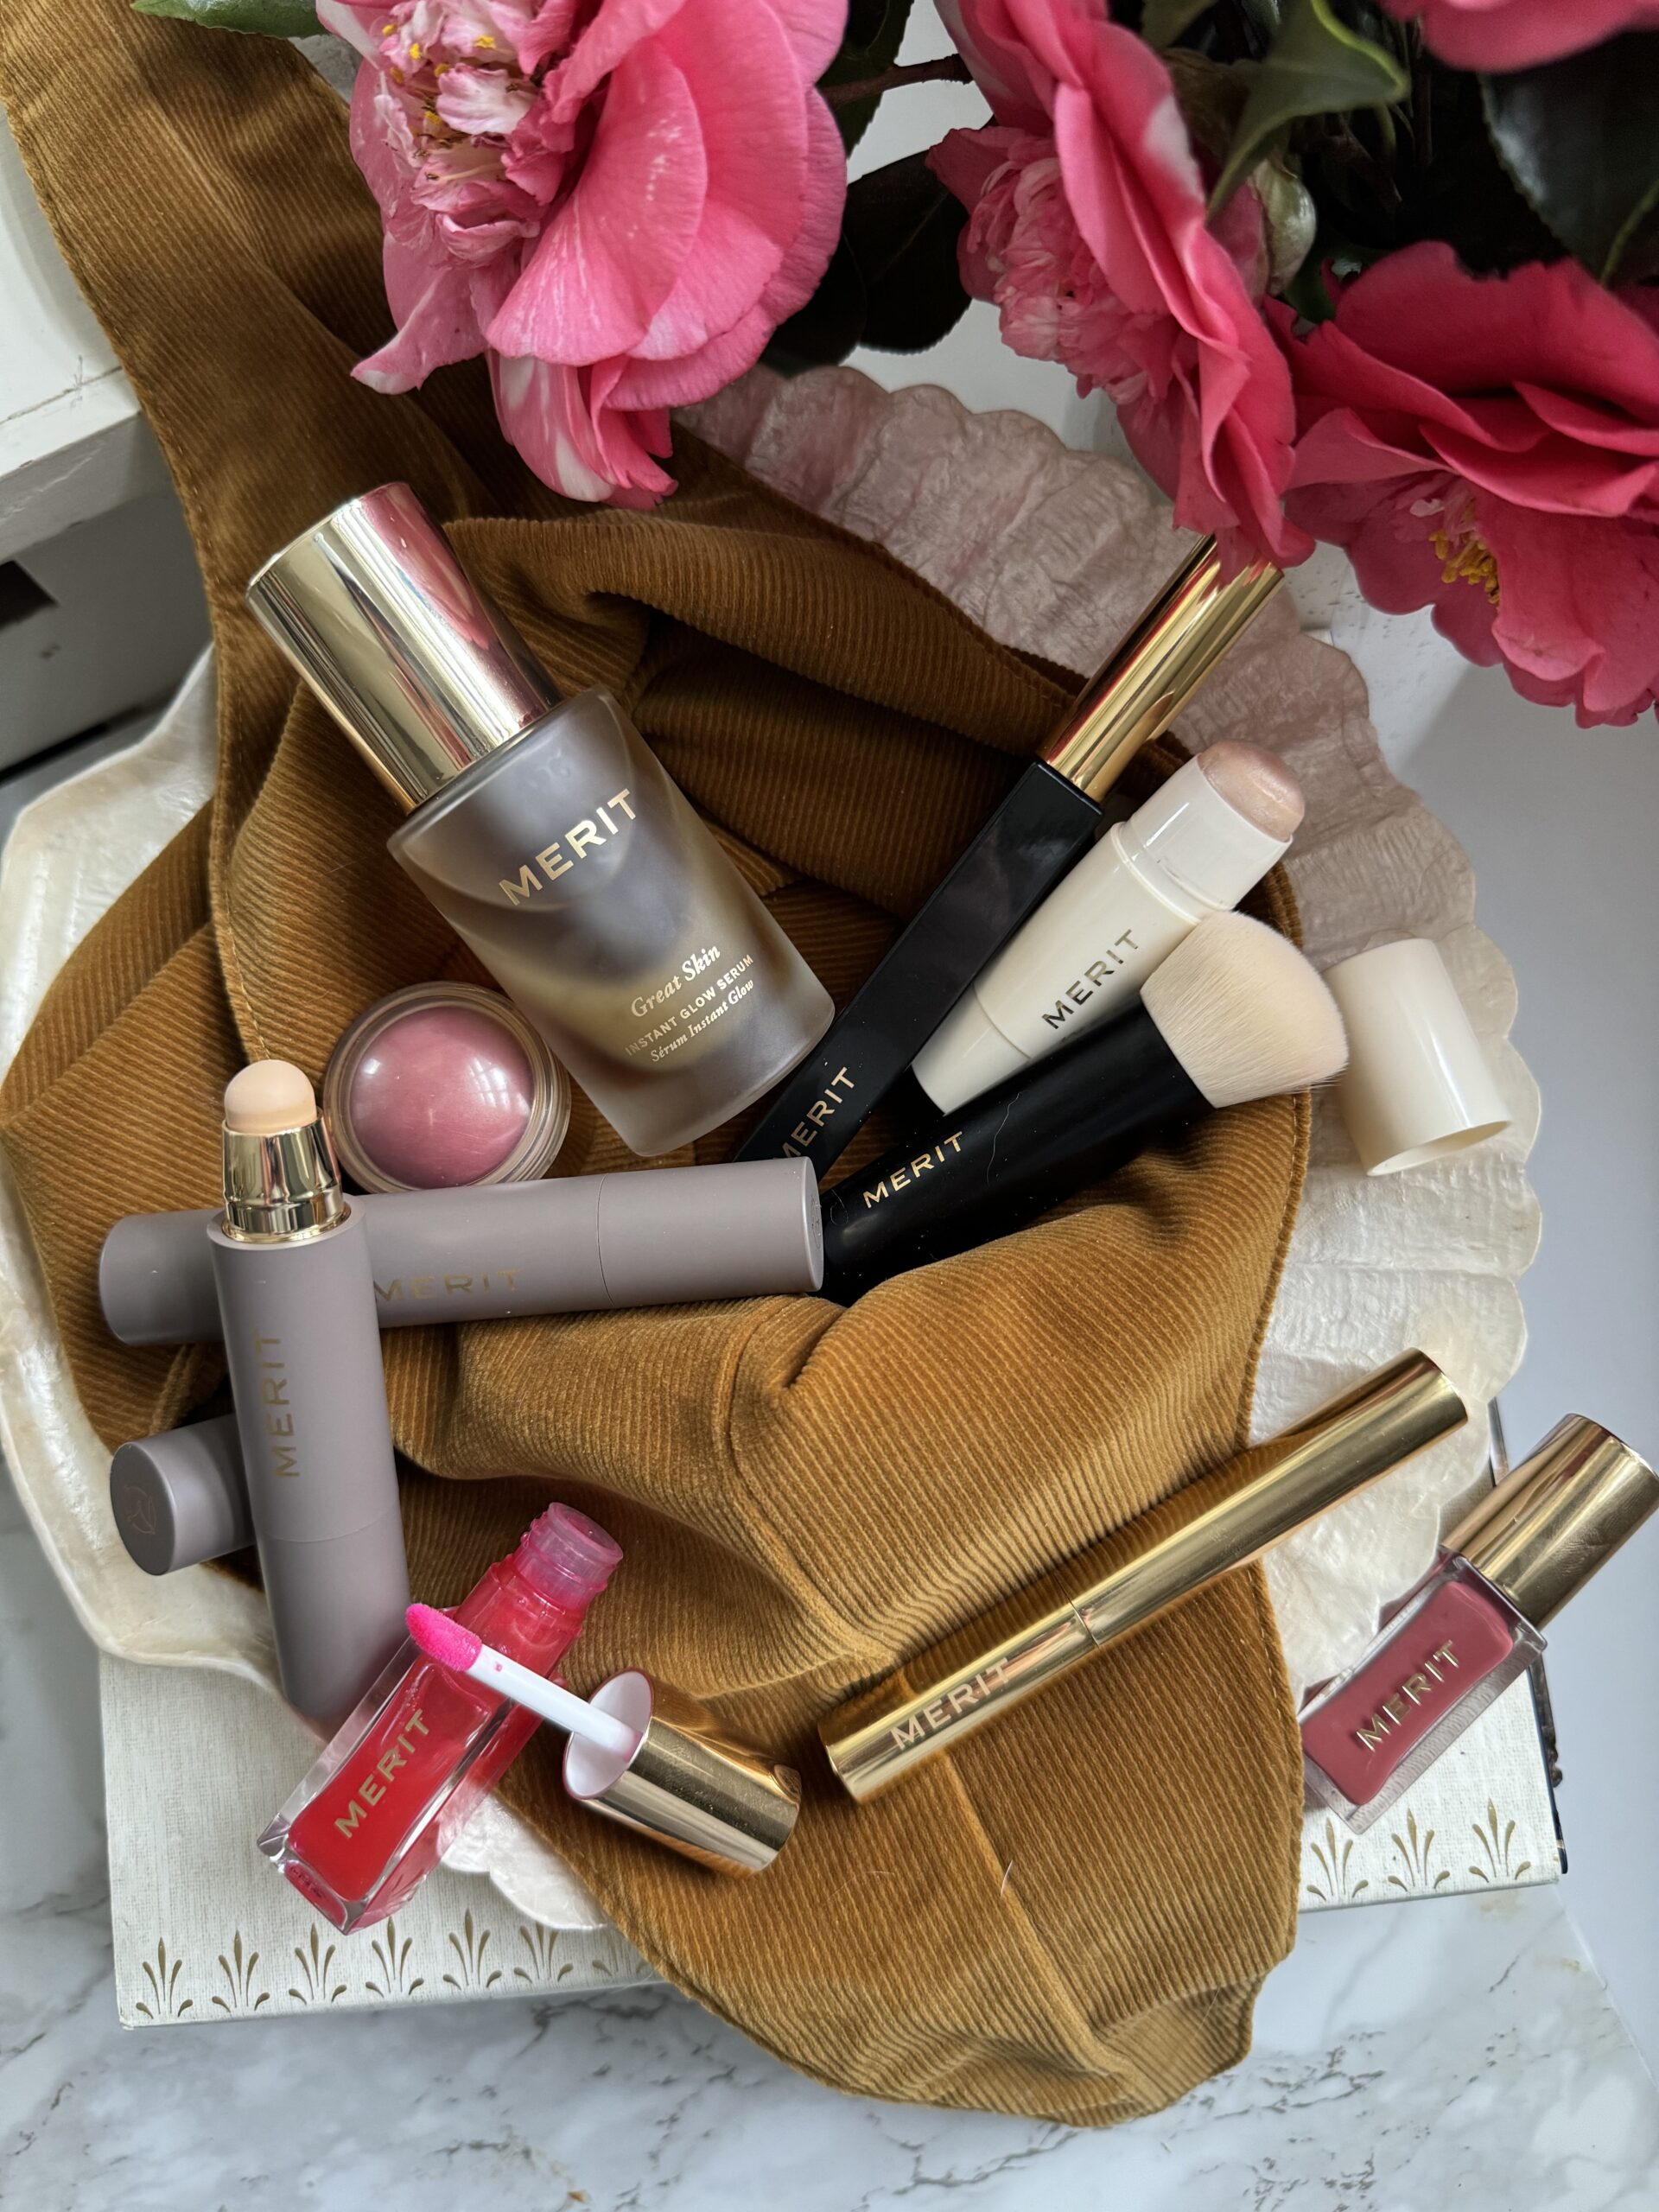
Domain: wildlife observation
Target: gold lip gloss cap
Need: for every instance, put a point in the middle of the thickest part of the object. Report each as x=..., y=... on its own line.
x=1540, y=1534
x=1220, y=1521
x=691, y=1785
x=1163, y=659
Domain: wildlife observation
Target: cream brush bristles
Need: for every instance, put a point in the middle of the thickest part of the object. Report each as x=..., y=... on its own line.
x=1245, y=1013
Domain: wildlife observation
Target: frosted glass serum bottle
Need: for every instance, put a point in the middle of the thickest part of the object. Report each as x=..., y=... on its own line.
x=545, y=831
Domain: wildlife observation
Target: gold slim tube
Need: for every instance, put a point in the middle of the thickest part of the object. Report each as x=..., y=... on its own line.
x=1166, y=654
x=1220, y=1521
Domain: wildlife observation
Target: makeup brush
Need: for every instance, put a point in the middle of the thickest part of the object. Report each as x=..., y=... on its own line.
x=1234, y=1013
x=463, y=1653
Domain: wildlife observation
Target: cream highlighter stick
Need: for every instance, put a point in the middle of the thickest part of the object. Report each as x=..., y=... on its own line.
x=290, y=1264
x=1198, y=844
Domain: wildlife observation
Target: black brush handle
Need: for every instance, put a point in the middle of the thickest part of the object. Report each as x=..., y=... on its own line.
x=1007, y=1156
x=1039, y=829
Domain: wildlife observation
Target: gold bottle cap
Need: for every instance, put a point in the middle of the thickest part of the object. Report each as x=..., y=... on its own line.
x=1563, y=1512
x=425, y=675
x=691, y=1785
x=1163, y=659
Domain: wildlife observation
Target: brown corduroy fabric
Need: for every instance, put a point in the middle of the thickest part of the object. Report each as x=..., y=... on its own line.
x=1071, y=1918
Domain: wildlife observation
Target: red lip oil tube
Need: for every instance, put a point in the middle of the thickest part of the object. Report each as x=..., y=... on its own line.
x=407, y=1770
x=1472, y=1623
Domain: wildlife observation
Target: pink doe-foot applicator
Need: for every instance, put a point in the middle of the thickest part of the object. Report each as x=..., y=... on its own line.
x=641, y=1754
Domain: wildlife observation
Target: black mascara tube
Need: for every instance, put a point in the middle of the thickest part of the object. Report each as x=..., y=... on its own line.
x=1046, y=822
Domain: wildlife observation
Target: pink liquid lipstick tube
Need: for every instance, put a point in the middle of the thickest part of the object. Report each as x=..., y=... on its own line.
x=1473, y=1623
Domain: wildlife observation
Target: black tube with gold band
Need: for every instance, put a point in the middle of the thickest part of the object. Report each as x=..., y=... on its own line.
x=1047, y=822
x=1220, y=1521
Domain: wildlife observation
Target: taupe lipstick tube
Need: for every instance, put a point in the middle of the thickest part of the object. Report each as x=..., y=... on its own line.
x=290, y=1263
x=1220, y=1521
x=579, y=1243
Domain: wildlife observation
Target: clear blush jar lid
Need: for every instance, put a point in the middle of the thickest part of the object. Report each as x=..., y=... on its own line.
x=443, y=1085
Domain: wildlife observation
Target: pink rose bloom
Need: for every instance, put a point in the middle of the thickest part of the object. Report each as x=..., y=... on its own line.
x=1489, y=446
x=1087, y=230
x=616, y=203
x=1500, y=35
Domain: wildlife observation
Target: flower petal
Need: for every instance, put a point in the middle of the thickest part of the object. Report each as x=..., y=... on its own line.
x=613, y=251
x=617, y=28
x=437, y=323
x=815, y=28
x=807, y=255
x=351, y=20
x=644, y=383
x=752, y=117
x=544, y=410
x=482, y=102
x=1004, y=68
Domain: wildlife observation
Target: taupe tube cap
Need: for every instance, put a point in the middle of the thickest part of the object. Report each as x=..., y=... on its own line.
x=1560, y=1515
x=423, y=673
x=179, y=1498
x=691, y=1785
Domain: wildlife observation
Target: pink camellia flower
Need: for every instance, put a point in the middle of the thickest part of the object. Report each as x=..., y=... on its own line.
x=1500, y=35
x=617, y=203
x=1087, y=230
x=1489, y=446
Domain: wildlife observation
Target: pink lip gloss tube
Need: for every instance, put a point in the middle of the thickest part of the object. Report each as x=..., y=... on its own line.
x=411, y=1766
x=1472, y=1623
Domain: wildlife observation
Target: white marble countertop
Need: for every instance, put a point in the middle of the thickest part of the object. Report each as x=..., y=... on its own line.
x=1407, y=2058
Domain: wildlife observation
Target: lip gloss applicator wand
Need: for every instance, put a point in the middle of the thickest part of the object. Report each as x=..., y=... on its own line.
x=463, y=1652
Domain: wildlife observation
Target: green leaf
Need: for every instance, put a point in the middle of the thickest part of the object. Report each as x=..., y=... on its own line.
x=875, y=31
x=270, y=18
x=903, y=225
x=1210, y=96
x=1315, y=65
x=1581, y=140
x=830, y=324
x=1162, y=21
x=893, y=281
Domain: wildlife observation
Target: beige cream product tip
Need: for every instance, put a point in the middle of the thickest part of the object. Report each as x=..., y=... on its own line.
x=1257, y=784
x=268, y=1096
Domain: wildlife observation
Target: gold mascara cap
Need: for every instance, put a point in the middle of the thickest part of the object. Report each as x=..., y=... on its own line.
x=1166, y=654
x=1561, y=1514
x=691, y=1785
x=423, y=672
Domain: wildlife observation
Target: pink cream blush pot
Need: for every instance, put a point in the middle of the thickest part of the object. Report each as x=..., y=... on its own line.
x=442, y=1085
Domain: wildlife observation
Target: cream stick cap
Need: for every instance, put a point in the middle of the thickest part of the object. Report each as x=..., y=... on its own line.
x=1417, y=1086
